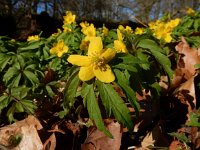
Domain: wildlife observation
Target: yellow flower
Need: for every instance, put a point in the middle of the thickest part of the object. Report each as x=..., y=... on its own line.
x=33, y=38
x=56, y=34
x=173, y=23
x=139, y=31
x=163, y=30
x=128, y=30
x=95, y=64
x=190, y=11
x=69, y=18
x=59, y=48
x=84, y=24
x=89, y=31
x=121, y=27
x=119, y=44
x=105, y=31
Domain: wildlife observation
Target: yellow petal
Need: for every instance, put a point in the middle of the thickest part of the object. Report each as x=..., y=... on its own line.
x=108, y=55
x=119, y=34
x=95, y=46
x=79, y=60
x=104, y=75
x=86, y=73
x=120, y=46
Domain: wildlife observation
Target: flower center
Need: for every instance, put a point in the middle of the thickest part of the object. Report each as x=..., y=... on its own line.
x=99, y=62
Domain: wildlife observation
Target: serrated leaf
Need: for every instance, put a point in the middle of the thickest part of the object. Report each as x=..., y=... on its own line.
x=19, y=107
x=70, y=90
x=126, y=66
x=180, y=136
x=93, y=108
x=28, y=106
x=131, y=95
x=49, y=91
x=31, y=76
x=194, y=120
x=4, y=61
x=16, y=80
x=10, y=113
x=110, y=98
x=150, y=44
x=4, y=101
x=157, y=53
x=32, y=45
x=19, y=92
x=12, y=71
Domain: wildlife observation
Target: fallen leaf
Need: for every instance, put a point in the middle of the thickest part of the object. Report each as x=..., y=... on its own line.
x=97, y=140
x=188, y=57
x=28, y=129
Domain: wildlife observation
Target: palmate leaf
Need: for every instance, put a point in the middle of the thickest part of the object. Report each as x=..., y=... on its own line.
x=92, y=107
x=112, y=101
x=156, y=51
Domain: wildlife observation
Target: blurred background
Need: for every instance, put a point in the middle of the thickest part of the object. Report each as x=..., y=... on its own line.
x=20, y=18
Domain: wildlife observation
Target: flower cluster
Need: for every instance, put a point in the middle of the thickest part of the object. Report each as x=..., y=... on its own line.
x=162, y=30
x=94, y=56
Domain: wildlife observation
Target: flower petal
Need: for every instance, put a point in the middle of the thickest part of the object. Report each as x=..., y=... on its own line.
x=108, y=55
x=86, y=73
x=95, y=46
x=120, y=46
x=106, y=75
x=79, y=60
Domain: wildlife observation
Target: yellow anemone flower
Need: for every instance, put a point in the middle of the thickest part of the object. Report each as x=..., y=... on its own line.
x=190, y=11
x=105, y=30
x=59, y=48
x=89, y=31
x=95, y=64
x=69, y=18
x=139, y=31
x=33, y=38
x=119, y=44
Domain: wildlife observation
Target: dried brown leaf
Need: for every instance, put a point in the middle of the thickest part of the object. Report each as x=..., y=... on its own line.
x=28, y=129
x=98, y=140
x=188, y=57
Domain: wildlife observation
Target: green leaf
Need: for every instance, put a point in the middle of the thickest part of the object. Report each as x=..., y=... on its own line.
x=150, y=44
x=28, y=106
x=194, y=120
x=126, y=66
x=122, y=81
x=180, y=136
x=19, y=92
x=4, y=101
x=110, y=98
x=197, y=66
x=50, y=91
x=71, y=89
x=32, y=45
x=93, y=108
x=156, y=51
x=12, y=71
x=4, y=59
x=19, y=107
x=16, y=80
x=10, y=113
x=31, y=76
